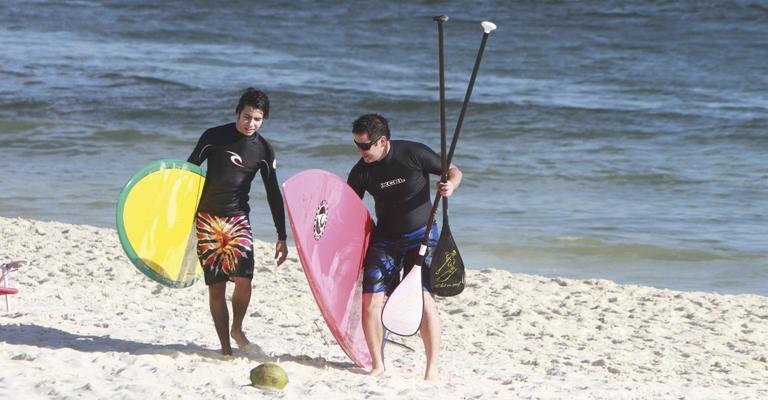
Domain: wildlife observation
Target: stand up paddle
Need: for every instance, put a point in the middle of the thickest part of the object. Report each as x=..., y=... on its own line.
x=403, y=309
x=446, y=274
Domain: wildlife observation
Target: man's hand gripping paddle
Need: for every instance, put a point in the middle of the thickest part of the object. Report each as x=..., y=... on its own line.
x=403, y=310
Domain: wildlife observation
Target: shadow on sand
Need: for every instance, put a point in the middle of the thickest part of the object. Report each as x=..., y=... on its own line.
x=52, y=338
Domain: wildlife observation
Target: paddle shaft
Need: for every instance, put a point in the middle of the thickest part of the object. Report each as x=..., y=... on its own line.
x=441, y=60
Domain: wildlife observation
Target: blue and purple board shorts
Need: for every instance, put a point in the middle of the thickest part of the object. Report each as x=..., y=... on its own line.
x=386, y=253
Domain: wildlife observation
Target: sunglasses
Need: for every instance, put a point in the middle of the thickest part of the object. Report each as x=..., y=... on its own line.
x=367, y=146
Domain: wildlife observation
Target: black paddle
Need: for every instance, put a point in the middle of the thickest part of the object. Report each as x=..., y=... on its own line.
x=446, y=276
x=400, y=315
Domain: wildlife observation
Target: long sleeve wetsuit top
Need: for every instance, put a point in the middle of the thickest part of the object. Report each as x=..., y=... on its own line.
x=399, y=184
x=233, y=160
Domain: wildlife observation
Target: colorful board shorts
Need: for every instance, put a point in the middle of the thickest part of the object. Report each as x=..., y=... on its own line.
x=224, y=247
x=386, y=253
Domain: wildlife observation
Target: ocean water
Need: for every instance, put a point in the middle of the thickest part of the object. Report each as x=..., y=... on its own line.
x=625, y=140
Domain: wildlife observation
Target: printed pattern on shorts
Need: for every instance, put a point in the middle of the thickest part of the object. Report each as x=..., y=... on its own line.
x=223, y=241
x=386, y=255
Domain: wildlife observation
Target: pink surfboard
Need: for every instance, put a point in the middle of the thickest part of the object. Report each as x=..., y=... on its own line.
x=331, y=227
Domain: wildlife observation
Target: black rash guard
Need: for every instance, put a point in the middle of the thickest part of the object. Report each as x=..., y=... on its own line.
x=233, y=160
x=399, y=184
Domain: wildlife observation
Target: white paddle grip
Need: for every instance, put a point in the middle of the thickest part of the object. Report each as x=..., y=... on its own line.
x=488, y=26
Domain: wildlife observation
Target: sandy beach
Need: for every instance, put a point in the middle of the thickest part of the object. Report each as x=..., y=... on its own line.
x=87, y=324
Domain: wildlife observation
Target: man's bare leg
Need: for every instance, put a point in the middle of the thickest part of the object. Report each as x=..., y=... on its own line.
x=218, y=305
x=374, y=330
x=241, y=297
x=430, y=335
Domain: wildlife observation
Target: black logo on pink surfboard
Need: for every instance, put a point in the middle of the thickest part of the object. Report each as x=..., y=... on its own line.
x=321, y=218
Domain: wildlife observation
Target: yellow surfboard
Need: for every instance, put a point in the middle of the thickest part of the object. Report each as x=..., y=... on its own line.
x=156, y=221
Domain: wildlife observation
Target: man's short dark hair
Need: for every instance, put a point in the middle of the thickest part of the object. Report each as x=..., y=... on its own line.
x=374, y=124
x=254, y=98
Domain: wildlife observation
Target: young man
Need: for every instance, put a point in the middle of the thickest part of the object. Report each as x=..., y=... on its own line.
x=235, y=152
x=396, y=174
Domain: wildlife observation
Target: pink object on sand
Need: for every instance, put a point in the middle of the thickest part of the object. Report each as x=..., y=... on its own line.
x=6, y=269
x=7, y=290
x=331, y=227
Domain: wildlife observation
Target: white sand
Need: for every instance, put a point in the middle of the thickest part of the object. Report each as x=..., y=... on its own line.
x=87, y=324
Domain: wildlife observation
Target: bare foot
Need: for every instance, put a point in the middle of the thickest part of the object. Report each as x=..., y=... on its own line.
x=431, y=376
x=376, y=372
x=240, y=339
x=246, y=346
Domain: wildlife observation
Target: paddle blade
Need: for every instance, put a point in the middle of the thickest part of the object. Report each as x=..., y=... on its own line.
x=404, y=308
x=446, y=275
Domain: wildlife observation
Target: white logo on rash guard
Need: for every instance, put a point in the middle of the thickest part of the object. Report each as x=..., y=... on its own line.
x=236, y=159
x=393, y=182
